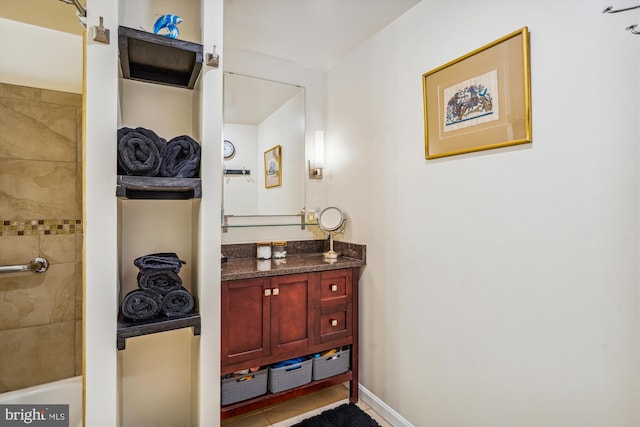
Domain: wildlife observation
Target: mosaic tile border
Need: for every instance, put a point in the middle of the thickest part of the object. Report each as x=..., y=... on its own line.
x=36, y=227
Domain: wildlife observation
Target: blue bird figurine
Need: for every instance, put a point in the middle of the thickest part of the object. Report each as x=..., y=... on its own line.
x=169, y=22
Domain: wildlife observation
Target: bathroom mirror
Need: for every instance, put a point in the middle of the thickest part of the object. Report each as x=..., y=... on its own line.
x=331, y=222
x=263, y=119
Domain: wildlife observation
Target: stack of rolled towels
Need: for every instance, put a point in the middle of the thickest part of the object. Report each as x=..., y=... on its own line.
x=159, y=289
x=141, y=152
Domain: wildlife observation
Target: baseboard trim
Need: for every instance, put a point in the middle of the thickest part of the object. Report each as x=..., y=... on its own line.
x=386, y=411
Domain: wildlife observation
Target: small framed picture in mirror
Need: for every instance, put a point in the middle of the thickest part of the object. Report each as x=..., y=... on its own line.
x=273, y=167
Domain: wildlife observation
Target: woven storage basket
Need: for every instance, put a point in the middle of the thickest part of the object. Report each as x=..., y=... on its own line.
x=243, y=387
x=328, y=366
x=291, y=376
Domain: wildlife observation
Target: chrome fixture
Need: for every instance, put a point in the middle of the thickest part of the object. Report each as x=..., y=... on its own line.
x=38, y=265
x=82, y=12
x=213, y=58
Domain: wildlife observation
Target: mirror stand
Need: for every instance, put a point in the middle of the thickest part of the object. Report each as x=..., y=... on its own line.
x=331, y=221
x=331, y=254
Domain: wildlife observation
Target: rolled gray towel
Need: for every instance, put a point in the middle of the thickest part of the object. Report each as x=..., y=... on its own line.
x=141, y=304
x=159, y=261
x=182, y=158
x=177, y=303
x=159, y=281
x=140, y=151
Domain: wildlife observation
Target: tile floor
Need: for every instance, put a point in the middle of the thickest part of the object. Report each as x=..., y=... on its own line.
x=296, y=410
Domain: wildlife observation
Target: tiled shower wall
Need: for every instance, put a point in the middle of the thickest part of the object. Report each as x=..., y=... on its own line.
x=40, y=215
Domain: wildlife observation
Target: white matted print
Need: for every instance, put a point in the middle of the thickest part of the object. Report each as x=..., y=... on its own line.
x=472, y=102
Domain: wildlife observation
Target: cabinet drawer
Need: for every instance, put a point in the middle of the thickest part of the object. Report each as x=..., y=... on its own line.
x=333, y=323
x=335, y=287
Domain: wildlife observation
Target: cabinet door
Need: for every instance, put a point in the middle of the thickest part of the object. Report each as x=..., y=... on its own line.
x=291, y=313
x=246, y=315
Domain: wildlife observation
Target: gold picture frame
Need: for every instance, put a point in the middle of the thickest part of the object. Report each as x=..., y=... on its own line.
x=481, y=100
x=273, y=167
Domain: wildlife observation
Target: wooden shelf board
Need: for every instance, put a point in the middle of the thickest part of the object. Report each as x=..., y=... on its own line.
x=269, y=399
x=158, y=188
x=129, y=328
x=158, y=59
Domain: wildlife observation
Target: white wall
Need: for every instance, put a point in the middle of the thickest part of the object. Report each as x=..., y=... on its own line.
x=241, y=192
x=284, y=128
x=39, y=57
x=100, y=308
x=501, y=287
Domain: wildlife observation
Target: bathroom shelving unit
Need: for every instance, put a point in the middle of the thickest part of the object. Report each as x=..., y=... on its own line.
x=157, y=59
x=129, y=329
x=158, y=188
x=139, y=79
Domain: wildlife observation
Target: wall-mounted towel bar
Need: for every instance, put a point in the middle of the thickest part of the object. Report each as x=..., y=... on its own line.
x=242, y=171
x=38, y=265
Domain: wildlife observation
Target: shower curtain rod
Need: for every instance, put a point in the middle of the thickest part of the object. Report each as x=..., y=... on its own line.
x=81, y=10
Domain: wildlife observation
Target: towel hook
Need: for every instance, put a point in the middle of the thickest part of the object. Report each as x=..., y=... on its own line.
x=610, y=9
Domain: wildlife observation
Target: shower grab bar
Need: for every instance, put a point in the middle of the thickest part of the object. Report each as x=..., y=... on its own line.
x=38, y=265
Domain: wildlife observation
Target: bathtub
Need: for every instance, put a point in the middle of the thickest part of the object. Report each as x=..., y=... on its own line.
x=67, y=391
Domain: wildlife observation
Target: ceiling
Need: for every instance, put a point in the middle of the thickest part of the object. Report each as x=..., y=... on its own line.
x=314, y=34
x=311, y=33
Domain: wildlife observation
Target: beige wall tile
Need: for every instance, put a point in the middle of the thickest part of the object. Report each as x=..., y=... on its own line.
x=58, y=248
x=79, y=291
x=78, y=207
x=38, y=298
x=40, y=178
x=19, y=92
x=32, y=189
x=37, y=355
x=18, y=249
x=36, y=131
x=62, y=98
x=78, y=349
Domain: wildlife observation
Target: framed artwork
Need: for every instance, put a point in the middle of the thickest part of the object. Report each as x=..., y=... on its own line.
x=273, y=167
x=479, y=101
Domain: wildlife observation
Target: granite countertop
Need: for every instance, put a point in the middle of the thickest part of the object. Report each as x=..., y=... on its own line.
x=302, y=257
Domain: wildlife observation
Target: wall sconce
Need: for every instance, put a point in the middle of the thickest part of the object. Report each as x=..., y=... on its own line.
x=315, y=168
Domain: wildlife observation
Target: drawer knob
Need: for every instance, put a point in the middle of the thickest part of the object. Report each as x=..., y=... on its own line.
x=267, y=292
x=276, y=291
x=334, y=288
x=334, y=322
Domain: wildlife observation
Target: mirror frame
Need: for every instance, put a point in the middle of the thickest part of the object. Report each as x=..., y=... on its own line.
x=331, y=229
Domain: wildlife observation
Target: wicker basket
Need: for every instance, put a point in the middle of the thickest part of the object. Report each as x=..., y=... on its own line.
x=243, y=387
x=328, y=366
x=291, y=376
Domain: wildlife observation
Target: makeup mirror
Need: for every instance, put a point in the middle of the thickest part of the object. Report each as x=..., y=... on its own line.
x=331, y=222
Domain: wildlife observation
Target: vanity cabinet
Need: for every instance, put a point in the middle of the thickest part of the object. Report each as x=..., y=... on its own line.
x=265, y=317
x=270, y=319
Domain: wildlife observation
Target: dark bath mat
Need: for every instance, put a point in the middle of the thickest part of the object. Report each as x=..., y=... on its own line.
x=347, y=415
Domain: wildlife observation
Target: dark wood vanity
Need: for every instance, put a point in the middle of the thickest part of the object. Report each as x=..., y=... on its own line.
x=278, y=309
